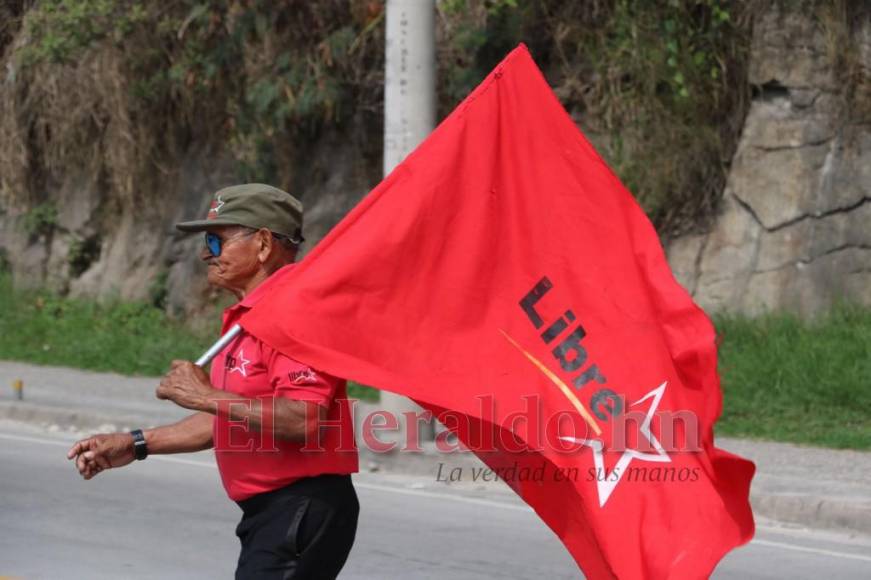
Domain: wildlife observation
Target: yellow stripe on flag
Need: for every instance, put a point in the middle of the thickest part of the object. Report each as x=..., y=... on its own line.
x=558, y=382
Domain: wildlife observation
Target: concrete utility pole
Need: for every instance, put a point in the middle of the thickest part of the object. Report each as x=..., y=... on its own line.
x=409, y=80
x=409, y=108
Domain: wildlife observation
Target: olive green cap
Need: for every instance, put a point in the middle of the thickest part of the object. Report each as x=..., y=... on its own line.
x=253, y=205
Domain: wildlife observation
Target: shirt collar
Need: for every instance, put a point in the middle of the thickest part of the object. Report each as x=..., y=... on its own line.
x=263, y=288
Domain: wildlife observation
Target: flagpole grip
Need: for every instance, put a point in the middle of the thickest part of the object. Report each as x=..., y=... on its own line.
x=218, y=346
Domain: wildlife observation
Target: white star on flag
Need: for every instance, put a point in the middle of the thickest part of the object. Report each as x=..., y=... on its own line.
x=606, y=485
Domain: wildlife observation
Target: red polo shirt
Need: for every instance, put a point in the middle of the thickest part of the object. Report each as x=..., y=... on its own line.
x=249, y=463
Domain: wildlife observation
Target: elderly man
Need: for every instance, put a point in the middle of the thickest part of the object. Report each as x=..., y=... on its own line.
x=258, y=408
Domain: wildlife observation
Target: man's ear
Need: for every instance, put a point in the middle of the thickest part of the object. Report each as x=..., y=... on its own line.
x=265, y=242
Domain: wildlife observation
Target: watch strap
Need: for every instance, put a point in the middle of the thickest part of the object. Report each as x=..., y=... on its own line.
x=140, y=448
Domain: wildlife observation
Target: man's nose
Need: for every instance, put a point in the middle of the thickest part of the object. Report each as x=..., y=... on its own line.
x=205, y=255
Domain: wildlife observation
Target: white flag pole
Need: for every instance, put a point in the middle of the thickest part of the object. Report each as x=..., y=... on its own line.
x=218, y=346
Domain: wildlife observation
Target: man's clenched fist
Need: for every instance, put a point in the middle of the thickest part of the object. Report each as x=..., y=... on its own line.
x=186, y=385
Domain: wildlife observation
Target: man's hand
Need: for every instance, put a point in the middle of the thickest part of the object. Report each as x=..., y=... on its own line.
x=186, y=385
x=100, y=452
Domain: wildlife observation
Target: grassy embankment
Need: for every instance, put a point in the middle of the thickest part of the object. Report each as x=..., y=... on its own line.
x=789, y=380
x=126, y=337
x=783, y=379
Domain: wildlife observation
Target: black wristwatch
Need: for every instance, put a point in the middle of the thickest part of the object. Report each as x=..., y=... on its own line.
x=140, y=449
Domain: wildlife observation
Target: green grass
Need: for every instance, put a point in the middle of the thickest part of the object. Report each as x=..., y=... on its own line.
x=131, y=338
x=790, y=380
x=125, y=337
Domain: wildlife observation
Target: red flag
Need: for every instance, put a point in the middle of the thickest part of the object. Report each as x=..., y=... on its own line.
x=502, y=277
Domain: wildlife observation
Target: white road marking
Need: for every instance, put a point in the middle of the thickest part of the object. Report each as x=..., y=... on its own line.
x=70, y=443
x=459, y=498
x=183, y=461
x=35, y=440
x=434, y=495
x=819, y=551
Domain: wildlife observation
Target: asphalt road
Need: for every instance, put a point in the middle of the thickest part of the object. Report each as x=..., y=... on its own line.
x=168, y=518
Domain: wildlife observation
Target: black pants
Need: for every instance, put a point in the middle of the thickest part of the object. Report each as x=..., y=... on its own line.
x=301, y=531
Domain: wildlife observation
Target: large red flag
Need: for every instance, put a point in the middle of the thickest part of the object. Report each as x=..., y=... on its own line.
x=502, y=277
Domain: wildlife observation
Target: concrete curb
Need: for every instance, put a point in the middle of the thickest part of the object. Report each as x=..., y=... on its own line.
x=46, y=416
x=815, y=511
x=806, y=509
x=74, y=419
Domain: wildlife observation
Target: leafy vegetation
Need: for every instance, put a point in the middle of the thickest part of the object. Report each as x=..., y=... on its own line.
x=660, y=85
x=63, y=29
x=40, y=220
x=263, y=68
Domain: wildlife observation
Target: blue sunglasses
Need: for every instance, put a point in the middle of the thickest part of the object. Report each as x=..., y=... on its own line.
x=215, y=244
